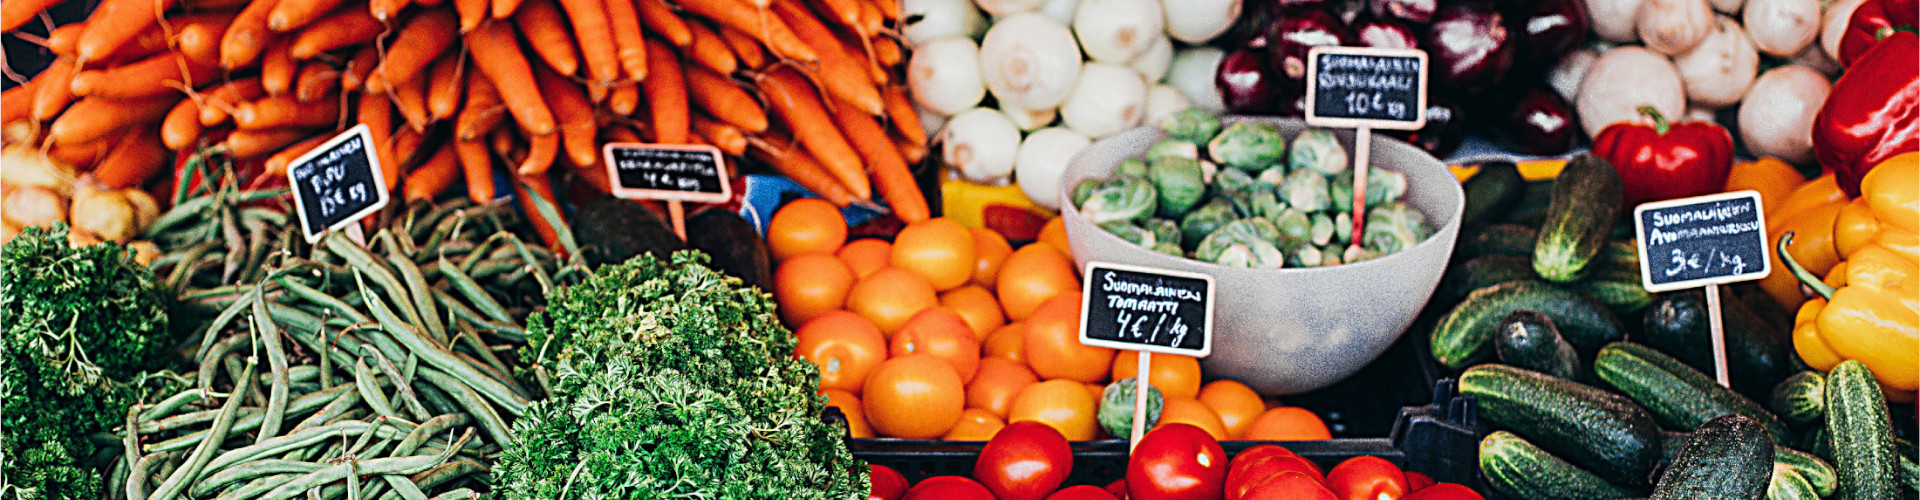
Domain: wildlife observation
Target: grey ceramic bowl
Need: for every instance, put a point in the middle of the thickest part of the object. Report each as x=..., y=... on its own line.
x=1287, y=331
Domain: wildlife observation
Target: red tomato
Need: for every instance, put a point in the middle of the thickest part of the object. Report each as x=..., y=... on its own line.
x=1024, y=461
x=948, y=488
x=1177, y=462
x=1445, y=491
x=1081, y=492
x=1367, y=478
x=1289, y=485
x=1260, y=450
x=888, y=484
x=1245, y=474
x=1417, y=481
x=1118, y=489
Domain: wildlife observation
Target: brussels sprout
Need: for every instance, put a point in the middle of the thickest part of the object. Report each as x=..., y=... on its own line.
x=1164, y=230
x=1394, y=227
x=1264, y=201
x=1317, y=149
x=1169, y=248
x=1172, y=148
x=1307, y=190
x=1230, y=181
x=1179, y=184
x=1265, y=229
x=1132, y=166
x=1193, y=125
x=1340, y=192
x=1296, y=229
x=1207, y=170
x=1330, y=256
x=1248, y=146
x=1122, y=198
x=1322, y=229
x=1343, y=228
x=1127, y=231
x=1200, y=222
x=1084, y=190
x=1307, y=256
x=1274, y=176
x=1384, y=186
x=1116, y=406
x=1238, y=244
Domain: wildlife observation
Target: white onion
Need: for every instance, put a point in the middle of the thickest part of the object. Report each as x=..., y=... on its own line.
x=1008, y=7
x=1163, y=100
x=1782, y=27
x=1833, y=25
x=1030, y=61
x=1566, y=75
x=1623, y=80
x=1197, y=21
x=1614, y=20
x=1674, y=26
x=1109, y=98
x=928, y=20
x=1059, y=10
x=944, y=75
x=1029, y=119
x=980, y=143
x=1718, y=71
x=1153, y=63
x=1776, y=119
x=1043, y=158
x=1117, y=31
x=1192, y=72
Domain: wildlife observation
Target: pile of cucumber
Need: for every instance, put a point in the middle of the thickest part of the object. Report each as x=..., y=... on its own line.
x=1584, y=412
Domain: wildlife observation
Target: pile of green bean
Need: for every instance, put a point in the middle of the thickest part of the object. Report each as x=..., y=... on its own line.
x=388, y=368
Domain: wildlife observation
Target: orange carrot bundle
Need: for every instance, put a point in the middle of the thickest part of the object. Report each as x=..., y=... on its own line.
x=286, y=111
x=422, y=40
x=16, y=103
x=216, y=105
x=624, y=99
x=444, y=83
x=276, y=165
x=95, y=117
x=433, y=176
x=287, y=16
x=711, y=51
x=594, y=35
x=343, y=28
x=410, y=98
x=666, y=93
x=803, y=170
x=661, y=20
x=840, y=74
x=162, y=74
x=726, y=137
x=802, y=110
x=114, y=22
x=136, y=158
x=181, y=127
x=16, y=13
x=545, y=29
x=476, y=166
x=541, y=151
x=536, y=183
x=890, y=173
x=901, y=115
x=316, y=80
x=752, y=20
x=629, y=40
x=497, y=53
x=277, y=68
x=481, y=112
x=55, y=91
x=575, y=113
x=354, y=74
x=245, y=144
x=248, y=36
x=744, y=47
x=720, y=97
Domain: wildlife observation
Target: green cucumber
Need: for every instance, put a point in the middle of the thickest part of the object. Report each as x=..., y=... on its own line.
x=1816, y=471
x=1816, y=443
x=1678, y=396
x=1481, y=272
x=1727, y=458
x=1801, y=399
x=1465, y=335
x=1499, y=239
x=1586, y=200
x=1528, y=339
x=1518, y=469
x=1494, y=189
x=1594, y=429
x=1618, y=288
x=1909, y=473
x=1861, y=432
x=1788, y=484
x=1759, y=356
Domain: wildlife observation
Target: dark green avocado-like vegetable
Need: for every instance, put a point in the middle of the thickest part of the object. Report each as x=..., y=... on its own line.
x=735, y=247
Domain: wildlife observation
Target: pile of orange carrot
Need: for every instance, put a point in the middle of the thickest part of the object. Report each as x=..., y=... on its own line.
x=455, y=89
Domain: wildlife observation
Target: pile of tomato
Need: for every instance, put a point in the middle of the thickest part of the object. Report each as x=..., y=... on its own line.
x=1030, y=461
x=949, y=332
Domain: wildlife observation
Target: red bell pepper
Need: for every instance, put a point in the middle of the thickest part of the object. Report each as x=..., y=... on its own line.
x=1873, y=112
x=1666, y=160
x=1873, y=21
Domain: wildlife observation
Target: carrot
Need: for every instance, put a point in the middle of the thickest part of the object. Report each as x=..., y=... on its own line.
x=803, y=170
x=91, y=118
x=546, y=31
x=726, y=137
x=286, y=16
x=248, y=36
x=885, y=163
x=789, y=94
x=754, y=21
x=724, y=100
x=316, y=80
x=443, y=86
x=410, y=98
x=912, y=151
x=482, y=110
x=624, y=99
x=541, y=150
x=276, y=165
x=343, y=28
x=85, y=155
x=376, y=112
x=594, y=35
x=860, y=49
x=217, y=104
x=248, y=144
x=901, y=114
x=17, y=103
x=433, y=176
x=845, y=12
x=386, y=9
x=138, y=156
x=504, y=144
x=114, y=22
x=839, y=74
x=405, y=145
x=55, y=91
x=471, y=13
x=527, y=184
x=64, y=41
x=285, y=111
x=666, y=93
x=503, y=9
x=570, y=107
x=744, y=47
x=871, y=20
x=354, y=75
x=181, y=127
x=629, y=41
x=889, y=9
x=423, y=38
x=476, y=165
x=661, y=20
x=200, y=43
x=498, y=55
x=16, y=13
x=162, y=74
x=277, y=68
x=710, y=51
x=211, y=5
x=887, y=50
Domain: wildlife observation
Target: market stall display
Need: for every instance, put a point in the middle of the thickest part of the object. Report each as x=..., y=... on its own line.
x=884, y=298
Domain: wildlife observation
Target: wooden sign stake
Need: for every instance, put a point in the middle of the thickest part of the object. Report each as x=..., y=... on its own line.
x=1362, y=148
x=1140, y=401
x=359, y=236
x=678, y=213
x=1719, y=335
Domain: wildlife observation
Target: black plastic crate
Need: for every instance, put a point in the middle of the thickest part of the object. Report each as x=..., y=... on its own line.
x=1438, y=439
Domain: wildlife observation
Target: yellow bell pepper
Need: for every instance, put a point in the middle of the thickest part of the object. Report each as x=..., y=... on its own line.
x=1814, y=248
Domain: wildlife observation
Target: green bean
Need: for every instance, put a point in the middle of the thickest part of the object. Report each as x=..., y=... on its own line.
x=365, y=437
x=130, y=445
x=405, y=487
x=260, y=486
x=471, y=290
x=400, y=382
x=495, y=267
x=493, y=373
x=355, y=414
x=213, y=331
x=236, y=244
x=174, y=402
x=116, y=485
x=186, y=210
x=250, y=419
x=457, y=494
x=444, y=473
x=365, y=263
x=332, y=303
x=437, y=401
x=276, y=366
x=338, y=406
x=238, y=374
x=352, y=468
x=480, y=410
x=439, y=357
x=137, y=476
x=266, y=217
x=505, y=331
x=305, y=438
x=326, y=361
x=479, y=253
x=295, y=318
x=421, y=296
x=370, y=390
x=197, y=460
x=248, y=471
x=427, y=429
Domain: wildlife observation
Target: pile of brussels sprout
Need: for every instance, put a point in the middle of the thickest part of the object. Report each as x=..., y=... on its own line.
x=1239, y=195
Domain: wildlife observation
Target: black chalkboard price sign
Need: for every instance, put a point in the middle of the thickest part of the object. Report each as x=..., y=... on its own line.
x=338, y=183
x=1704, y=240
x=1144, y=309
x=667, y=172
x=1366, y=87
